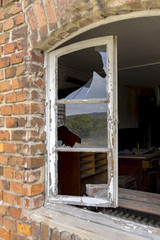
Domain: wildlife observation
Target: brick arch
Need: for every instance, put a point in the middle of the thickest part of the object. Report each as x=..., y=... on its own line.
x=52, y=22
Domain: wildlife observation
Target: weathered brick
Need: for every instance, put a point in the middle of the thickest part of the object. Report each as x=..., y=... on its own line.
x=20, y=109
x=16, y=161
x=37, y=122
x=65, y=236
x=9, y=198
x=5, y=233
x=45, y=232
x=34, y=189
x=19, y=32
x=17, y=187
x=21, y=70
x=20, y=83
x=19, y=19
x=16, y=236
x=8, y=24
x=24, y=229
x=1, y=147
x=75, y=237
x=34, y=162
x=1, y=198
x=18, y=135
x=1, y=74
x=5, y=86
x=4, y=184
x=3, y=160
x=38, y=83
x=32, y=19
x=4, y=135
x=1, y=219
x=41, y=19
x=37, y=108
x=10, y=223
x=37, y=56
x=15, y=122
x=1, y=170
x=2, y=121
x=13, y=173
x=37, y=149
x=4, y=62
x=32, y=202
x=3, y=209
x=35, y=230
x=6, y=2
x=9, y=147
x=15, y=212
x=4, y=38
x=17, y=58
x=55, y=234
x=23, y=149
x=6, y=110
x=1, y=98
x=10, y=72
x=32, y=176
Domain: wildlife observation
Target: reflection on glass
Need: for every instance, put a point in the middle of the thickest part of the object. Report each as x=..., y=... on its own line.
x=82, y=74
x=85, y=125
x=75, y=170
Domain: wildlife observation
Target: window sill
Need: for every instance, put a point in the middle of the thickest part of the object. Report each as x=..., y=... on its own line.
x=91, y=225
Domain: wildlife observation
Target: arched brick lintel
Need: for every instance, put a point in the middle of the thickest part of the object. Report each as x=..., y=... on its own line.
x=50, y=25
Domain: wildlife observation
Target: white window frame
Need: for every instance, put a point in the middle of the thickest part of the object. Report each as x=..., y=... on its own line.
x=111, y=198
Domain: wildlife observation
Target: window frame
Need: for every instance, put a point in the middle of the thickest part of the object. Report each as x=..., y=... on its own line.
x=51, y=175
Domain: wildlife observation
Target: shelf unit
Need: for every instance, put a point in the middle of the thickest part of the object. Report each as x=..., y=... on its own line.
x=92, y=163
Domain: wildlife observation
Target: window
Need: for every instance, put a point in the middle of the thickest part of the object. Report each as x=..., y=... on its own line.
x=81, y=120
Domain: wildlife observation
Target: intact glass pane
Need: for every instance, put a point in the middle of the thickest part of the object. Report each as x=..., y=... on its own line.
x=82, y=125
x=83, y=74
x=76, y=169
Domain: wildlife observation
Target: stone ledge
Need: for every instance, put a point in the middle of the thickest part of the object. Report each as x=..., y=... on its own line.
x=83, y=228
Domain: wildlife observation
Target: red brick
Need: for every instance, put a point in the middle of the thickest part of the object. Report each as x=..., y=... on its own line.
x=16, y=236
x=32, y=19
x=3, y=209
x=51, y=13
x=6, y=110
x=55, y=234
x=8, y=24
x=34, y=162
x=17, y=58
x=9, y=48
x=9, y=148
x=37, y=122
x=20, y=109
x=21, y=44
x=37, y=56
x=1, y=198
x=23, y=149
x=9, y=198
x=5, y=233
x=1, y=98
x=4, y=62
x=15, y=97
x=24, y=229
x=19, y=19
x=15, y=122
x=1, y=219
x=17, y=187
x=13, y=173
x=10, y=223
x=15, y=212
x=10, y=72
x=38, y=83
x=6, y=2
x=1, y=74
x=32, y=176
x=4, y=38
x=5, y=86
x=16, y=161
x=20, y=83
x=34, y=189
x=41, y=18
x=4, y=135
x=21, y=70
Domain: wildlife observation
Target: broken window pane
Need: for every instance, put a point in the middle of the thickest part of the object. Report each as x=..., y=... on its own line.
x=82, y=74
x=76, y=169
x=83, y=125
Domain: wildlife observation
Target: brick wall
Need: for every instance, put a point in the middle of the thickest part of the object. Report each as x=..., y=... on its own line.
x=25, y=27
